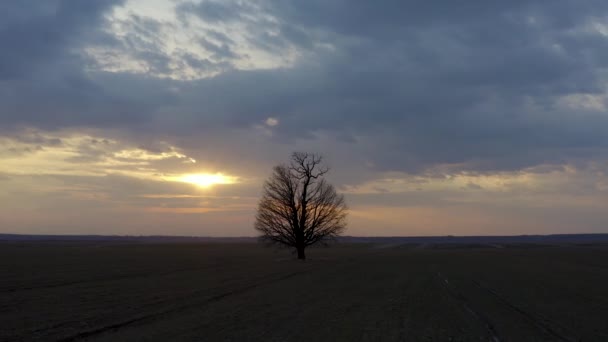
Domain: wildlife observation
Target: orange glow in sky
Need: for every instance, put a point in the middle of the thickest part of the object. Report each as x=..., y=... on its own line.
x=205, y=180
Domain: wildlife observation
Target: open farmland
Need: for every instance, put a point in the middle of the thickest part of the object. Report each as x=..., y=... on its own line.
x=100, y=291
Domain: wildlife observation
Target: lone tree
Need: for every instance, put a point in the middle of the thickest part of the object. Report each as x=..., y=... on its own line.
x=298, y=207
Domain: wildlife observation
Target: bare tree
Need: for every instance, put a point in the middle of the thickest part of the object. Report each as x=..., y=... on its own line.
x=298, y=207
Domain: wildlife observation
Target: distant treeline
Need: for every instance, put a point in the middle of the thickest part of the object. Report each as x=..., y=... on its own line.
x=540, y=239
x=508, y=239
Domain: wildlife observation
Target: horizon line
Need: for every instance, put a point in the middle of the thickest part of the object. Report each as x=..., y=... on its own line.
x=253, y=237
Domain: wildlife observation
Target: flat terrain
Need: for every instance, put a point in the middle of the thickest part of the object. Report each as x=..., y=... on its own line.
x=72, y=291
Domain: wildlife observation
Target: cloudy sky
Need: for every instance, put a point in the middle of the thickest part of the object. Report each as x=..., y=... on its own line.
x=437, y=117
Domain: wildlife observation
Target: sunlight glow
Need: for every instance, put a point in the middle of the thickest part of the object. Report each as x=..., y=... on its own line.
x=205, y=180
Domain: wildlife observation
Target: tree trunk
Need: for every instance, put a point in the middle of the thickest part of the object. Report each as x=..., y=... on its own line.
x=301, y=254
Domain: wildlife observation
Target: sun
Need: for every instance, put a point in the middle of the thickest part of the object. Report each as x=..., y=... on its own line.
x=205, y=180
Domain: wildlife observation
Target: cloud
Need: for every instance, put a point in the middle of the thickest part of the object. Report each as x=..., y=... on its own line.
x=37, y=34
x=432, y=86
x=34, y=153
x=271, y=122
x=403, y=90
x=215, y=11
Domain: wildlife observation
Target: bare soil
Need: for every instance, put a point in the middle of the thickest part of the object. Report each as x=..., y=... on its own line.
x=81, y=291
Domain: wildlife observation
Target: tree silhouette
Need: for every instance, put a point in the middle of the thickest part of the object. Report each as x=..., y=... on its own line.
x=298, y=207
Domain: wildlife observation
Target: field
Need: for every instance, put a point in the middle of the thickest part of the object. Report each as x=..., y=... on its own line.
x=72, y=291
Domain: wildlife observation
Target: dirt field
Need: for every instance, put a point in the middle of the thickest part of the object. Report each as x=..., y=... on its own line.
x=228, y=292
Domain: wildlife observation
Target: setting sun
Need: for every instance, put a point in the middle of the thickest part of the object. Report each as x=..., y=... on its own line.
x=205, y=180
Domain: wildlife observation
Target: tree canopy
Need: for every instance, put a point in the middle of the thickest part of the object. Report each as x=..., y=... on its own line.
x=299, y=207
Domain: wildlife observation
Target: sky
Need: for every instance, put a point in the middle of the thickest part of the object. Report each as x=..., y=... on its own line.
x=164, y=117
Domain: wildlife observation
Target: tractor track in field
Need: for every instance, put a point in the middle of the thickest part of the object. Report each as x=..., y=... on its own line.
x=490, y=329
x=539, y=322
x=160, y=314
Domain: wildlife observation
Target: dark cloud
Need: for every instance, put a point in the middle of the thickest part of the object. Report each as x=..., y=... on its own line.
x=409, y=84
x=33, y=32
x=424, y=84
x=219, y=51
x=215, y=11
x=219, y=36
x=42, y=78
